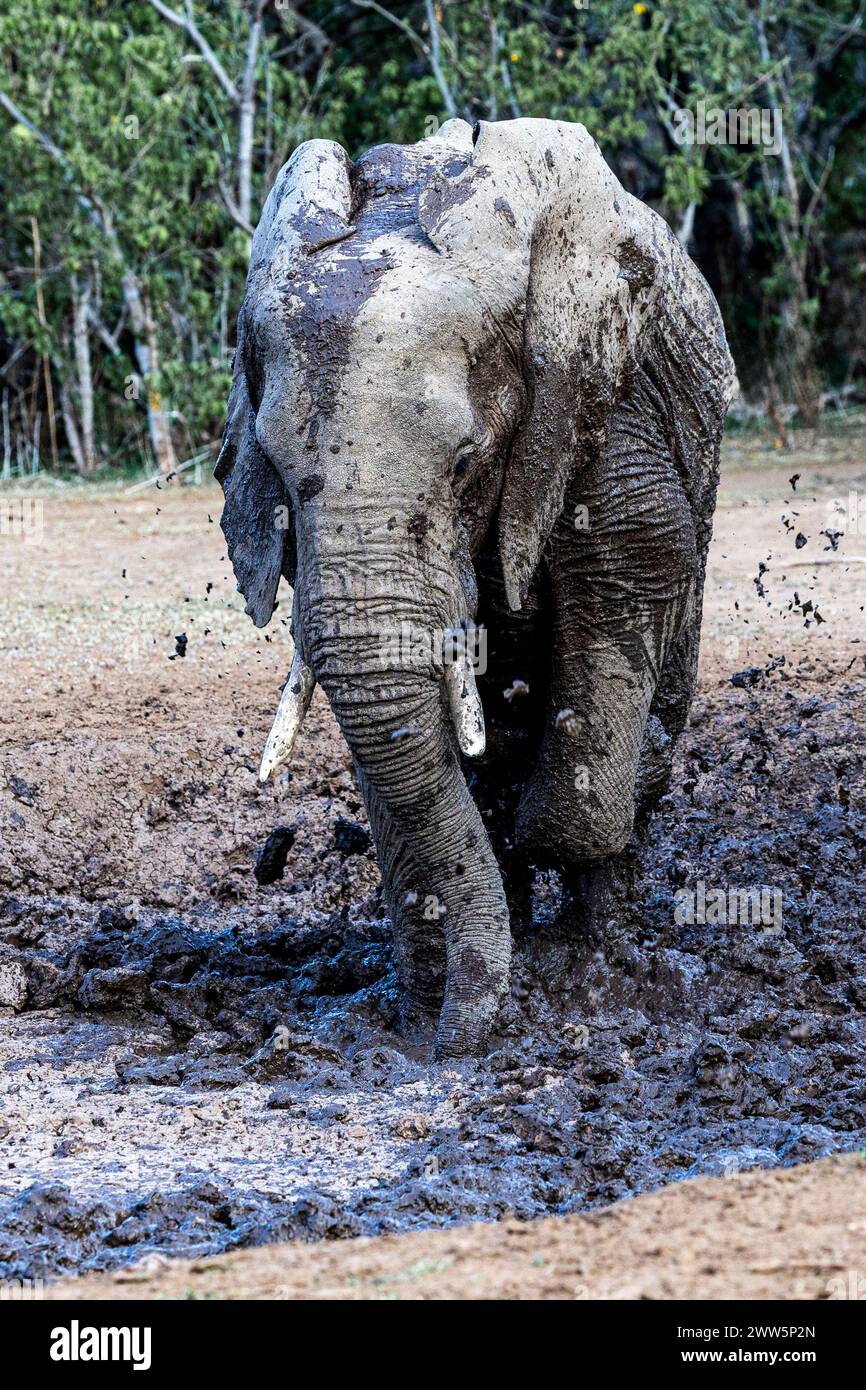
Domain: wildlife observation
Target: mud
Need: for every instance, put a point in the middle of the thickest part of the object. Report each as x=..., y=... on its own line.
x=655, y=1051
x=194, y=1059
x=794, y=1233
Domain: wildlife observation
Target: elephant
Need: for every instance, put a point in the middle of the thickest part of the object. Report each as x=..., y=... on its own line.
x=478, y=392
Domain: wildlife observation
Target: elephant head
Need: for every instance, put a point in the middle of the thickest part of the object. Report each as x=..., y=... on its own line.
x=431, y=346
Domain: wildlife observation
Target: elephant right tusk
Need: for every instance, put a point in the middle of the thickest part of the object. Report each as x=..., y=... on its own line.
x=294, y=703
x=465, y=703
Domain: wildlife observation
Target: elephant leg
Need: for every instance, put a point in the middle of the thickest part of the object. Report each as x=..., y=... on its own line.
x=497, y=784
x=669, y=710
x=667, y=717
x=419, y=939
x=517, y=651
x=586, y=902
x=496, y=787
x=624, y=570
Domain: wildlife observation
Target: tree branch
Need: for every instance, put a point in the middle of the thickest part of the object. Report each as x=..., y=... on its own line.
x=248, y=116
x=233, y=210
x=435, y=59
x=450, y=105
x=186, y=23
x=308, y=30
x=45, y=141
x=111, y=340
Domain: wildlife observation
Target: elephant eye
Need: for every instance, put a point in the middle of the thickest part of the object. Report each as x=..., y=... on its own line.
x=465, y=456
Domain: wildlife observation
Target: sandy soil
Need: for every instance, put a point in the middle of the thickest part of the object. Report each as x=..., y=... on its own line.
x=796, y=1234
x=191, y=1062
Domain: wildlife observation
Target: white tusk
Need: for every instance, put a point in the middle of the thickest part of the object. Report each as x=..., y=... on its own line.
x=294, y=703
x=465, y=704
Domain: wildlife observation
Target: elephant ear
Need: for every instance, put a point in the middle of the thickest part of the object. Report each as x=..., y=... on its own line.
x=256, y=519
x=581, y=264
x=309, y=206
x=598, y=262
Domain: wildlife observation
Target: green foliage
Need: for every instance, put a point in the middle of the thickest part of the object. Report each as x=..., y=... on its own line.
x=143, y=169
x=147, y=134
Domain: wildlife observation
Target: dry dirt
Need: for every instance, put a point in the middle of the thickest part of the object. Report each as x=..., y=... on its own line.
x=191, y=1062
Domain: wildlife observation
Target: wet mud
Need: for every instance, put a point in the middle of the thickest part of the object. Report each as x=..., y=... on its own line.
x=189, y=1082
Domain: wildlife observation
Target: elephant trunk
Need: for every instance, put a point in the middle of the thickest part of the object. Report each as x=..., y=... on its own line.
x=364, y=641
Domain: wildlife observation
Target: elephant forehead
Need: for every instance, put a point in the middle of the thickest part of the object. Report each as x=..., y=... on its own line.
x=315, y=291
x=425, y=308
x=385, y=300
x=300, y=321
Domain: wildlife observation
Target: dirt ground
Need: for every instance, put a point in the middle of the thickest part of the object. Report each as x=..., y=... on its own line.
x=191, y=1062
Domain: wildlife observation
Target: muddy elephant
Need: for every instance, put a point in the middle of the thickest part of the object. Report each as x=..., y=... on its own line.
x=478, y=392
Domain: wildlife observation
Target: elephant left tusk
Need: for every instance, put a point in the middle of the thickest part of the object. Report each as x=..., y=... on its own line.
x=465, y=704
x=294, y=703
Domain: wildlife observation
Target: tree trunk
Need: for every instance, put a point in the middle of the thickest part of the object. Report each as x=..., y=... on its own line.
x=160, y=429
x=84, y=369
x=796, y=364
x=247, y=118
x=147, y=360
x=7, y=440
x=73, y=438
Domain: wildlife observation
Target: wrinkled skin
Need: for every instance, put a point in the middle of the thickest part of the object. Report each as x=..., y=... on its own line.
x=485, y=384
